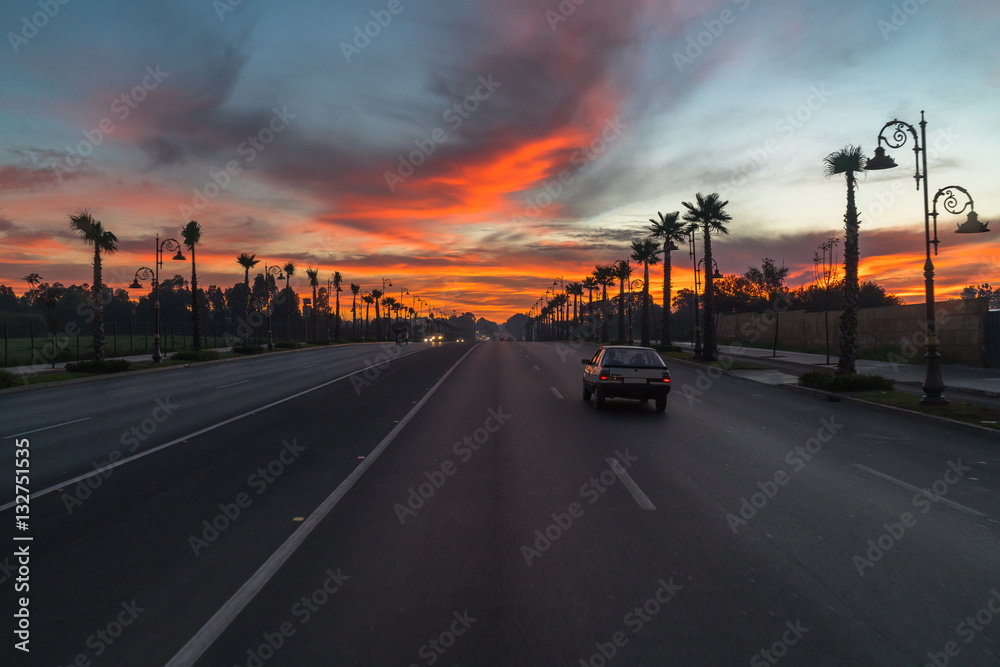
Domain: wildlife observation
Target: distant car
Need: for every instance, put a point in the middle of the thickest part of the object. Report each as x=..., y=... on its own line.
x=624, y=371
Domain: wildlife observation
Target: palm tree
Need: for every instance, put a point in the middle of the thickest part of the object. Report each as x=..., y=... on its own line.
x=590, y=284
x=93, y=233
x=355, y=289
x=576, y=291
x=289, y=269
x=710, y=214
x=645, y=252
x=848, y=161
x=605, y=277
x=337, y=280
x=673, y=231
x=33, y=280
x=313, y=275
x=191, y=233
x=377, y=297
x=368, y=299
x=623, y=271
x=247, y=262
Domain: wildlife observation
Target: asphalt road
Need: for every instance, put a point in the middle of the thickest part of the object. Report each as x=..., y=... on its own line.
x=463, y=506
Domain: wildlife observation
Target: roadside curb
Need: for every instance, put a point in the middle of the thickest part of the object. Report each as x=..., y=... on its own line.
x=819, y=394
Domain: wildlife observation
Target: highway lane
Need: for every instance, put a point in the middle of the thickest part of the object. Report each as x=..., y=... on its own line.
x=78, y=428
x=505, y=448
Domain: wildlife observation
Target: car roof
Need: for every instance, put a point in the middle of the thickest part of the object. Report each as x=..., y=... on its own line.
x=626, y=347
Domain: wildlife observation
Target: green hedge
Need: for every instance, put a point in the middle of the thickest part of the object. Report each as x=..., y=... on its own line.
x=247, y=349
x=853, y=382
x=8, y=379
x=98, y=367
x=191, y=355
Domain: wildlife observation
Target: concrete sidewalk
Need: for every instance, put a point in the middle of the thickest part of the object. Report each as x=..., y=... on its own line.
x=35, y=369
x=971, y=379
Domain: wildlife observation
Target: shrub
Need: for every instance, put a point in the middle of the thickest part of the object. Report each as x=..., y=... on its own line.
x=98, y=367
x=288, y=344
x=832, y=382
x=668, y=348
x=191, y=355
x=8, y=379
x=247, y=349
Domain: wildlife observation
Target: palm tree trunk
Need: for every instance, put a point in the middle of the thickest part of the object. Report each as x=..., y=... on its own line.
x=98, y=306
x=288, y=309
x=849, y=318
x=708, y=314
x=621, y=310
x=246, y=307
x=336, y=322
x=195, y=316
x=665, y=337
x=605, y=334
x=645, y=306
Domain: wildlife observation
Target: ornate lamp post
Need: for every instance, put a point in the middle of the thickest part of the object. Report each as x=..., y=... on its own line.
x=639, y=284
x=270, y=270
x=146, y=273
x=933, y=381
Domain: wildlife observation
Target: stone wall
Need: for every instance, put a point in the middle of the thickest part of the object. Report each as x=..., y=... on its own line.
x=960, y=329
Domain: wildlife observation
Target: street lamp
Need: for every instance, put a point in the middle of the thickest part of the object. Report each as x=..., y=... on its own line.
x=146, y=273
x=270, y=270
x=640, y=284
x=933, y=381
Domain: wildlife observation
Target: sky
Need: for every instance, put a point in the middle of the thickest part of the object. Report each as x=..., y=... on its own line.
x=472, y=152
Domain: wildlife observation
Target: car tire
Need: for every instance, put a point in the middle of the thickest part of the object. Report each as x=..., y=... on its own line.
x=599, y=399
x=586, y=392
x=661, y=403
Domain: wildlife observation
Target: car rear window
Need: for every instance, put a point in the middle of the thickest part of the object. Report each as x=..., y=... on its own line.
x=632, y=358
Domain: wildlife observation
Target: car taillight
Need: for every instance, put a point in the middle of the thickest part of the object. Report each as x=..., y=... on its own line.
x=666, y=376
x=605, y=374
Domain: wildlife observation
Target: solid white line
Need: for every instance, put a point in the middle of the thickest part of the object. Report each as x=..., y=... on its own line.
x=98, y=471
x=216, y=625
x=556, y=392
x=924, y=492
x=232, y=384
x=630, y=484
x=45, y=428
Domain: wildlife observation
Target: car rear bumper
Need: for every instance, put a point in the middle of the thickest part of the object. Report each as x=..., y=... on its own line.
x=630, y=390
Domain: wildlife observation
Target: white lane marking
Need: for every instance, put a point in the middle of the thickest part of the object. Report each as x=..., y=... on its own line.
x=45, y=428
x=556, y=392
x=115, y=391
x=111, y=466
x=311, y=365
x=537, y=368
x=216, y=625
x=924, y=492
x=232, y=384
x=630, y=484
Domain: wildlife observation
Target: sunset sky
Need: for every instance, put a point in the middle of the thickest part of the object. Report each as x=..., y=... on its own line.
x=473, y=151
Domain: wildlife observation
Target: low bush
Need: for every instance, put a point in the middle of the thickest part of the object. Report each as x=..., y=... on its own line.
x=247, y=349
x=8, y=379
x=191, y=355
x=98, y=367
x=288, y=344
x=854, y=382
